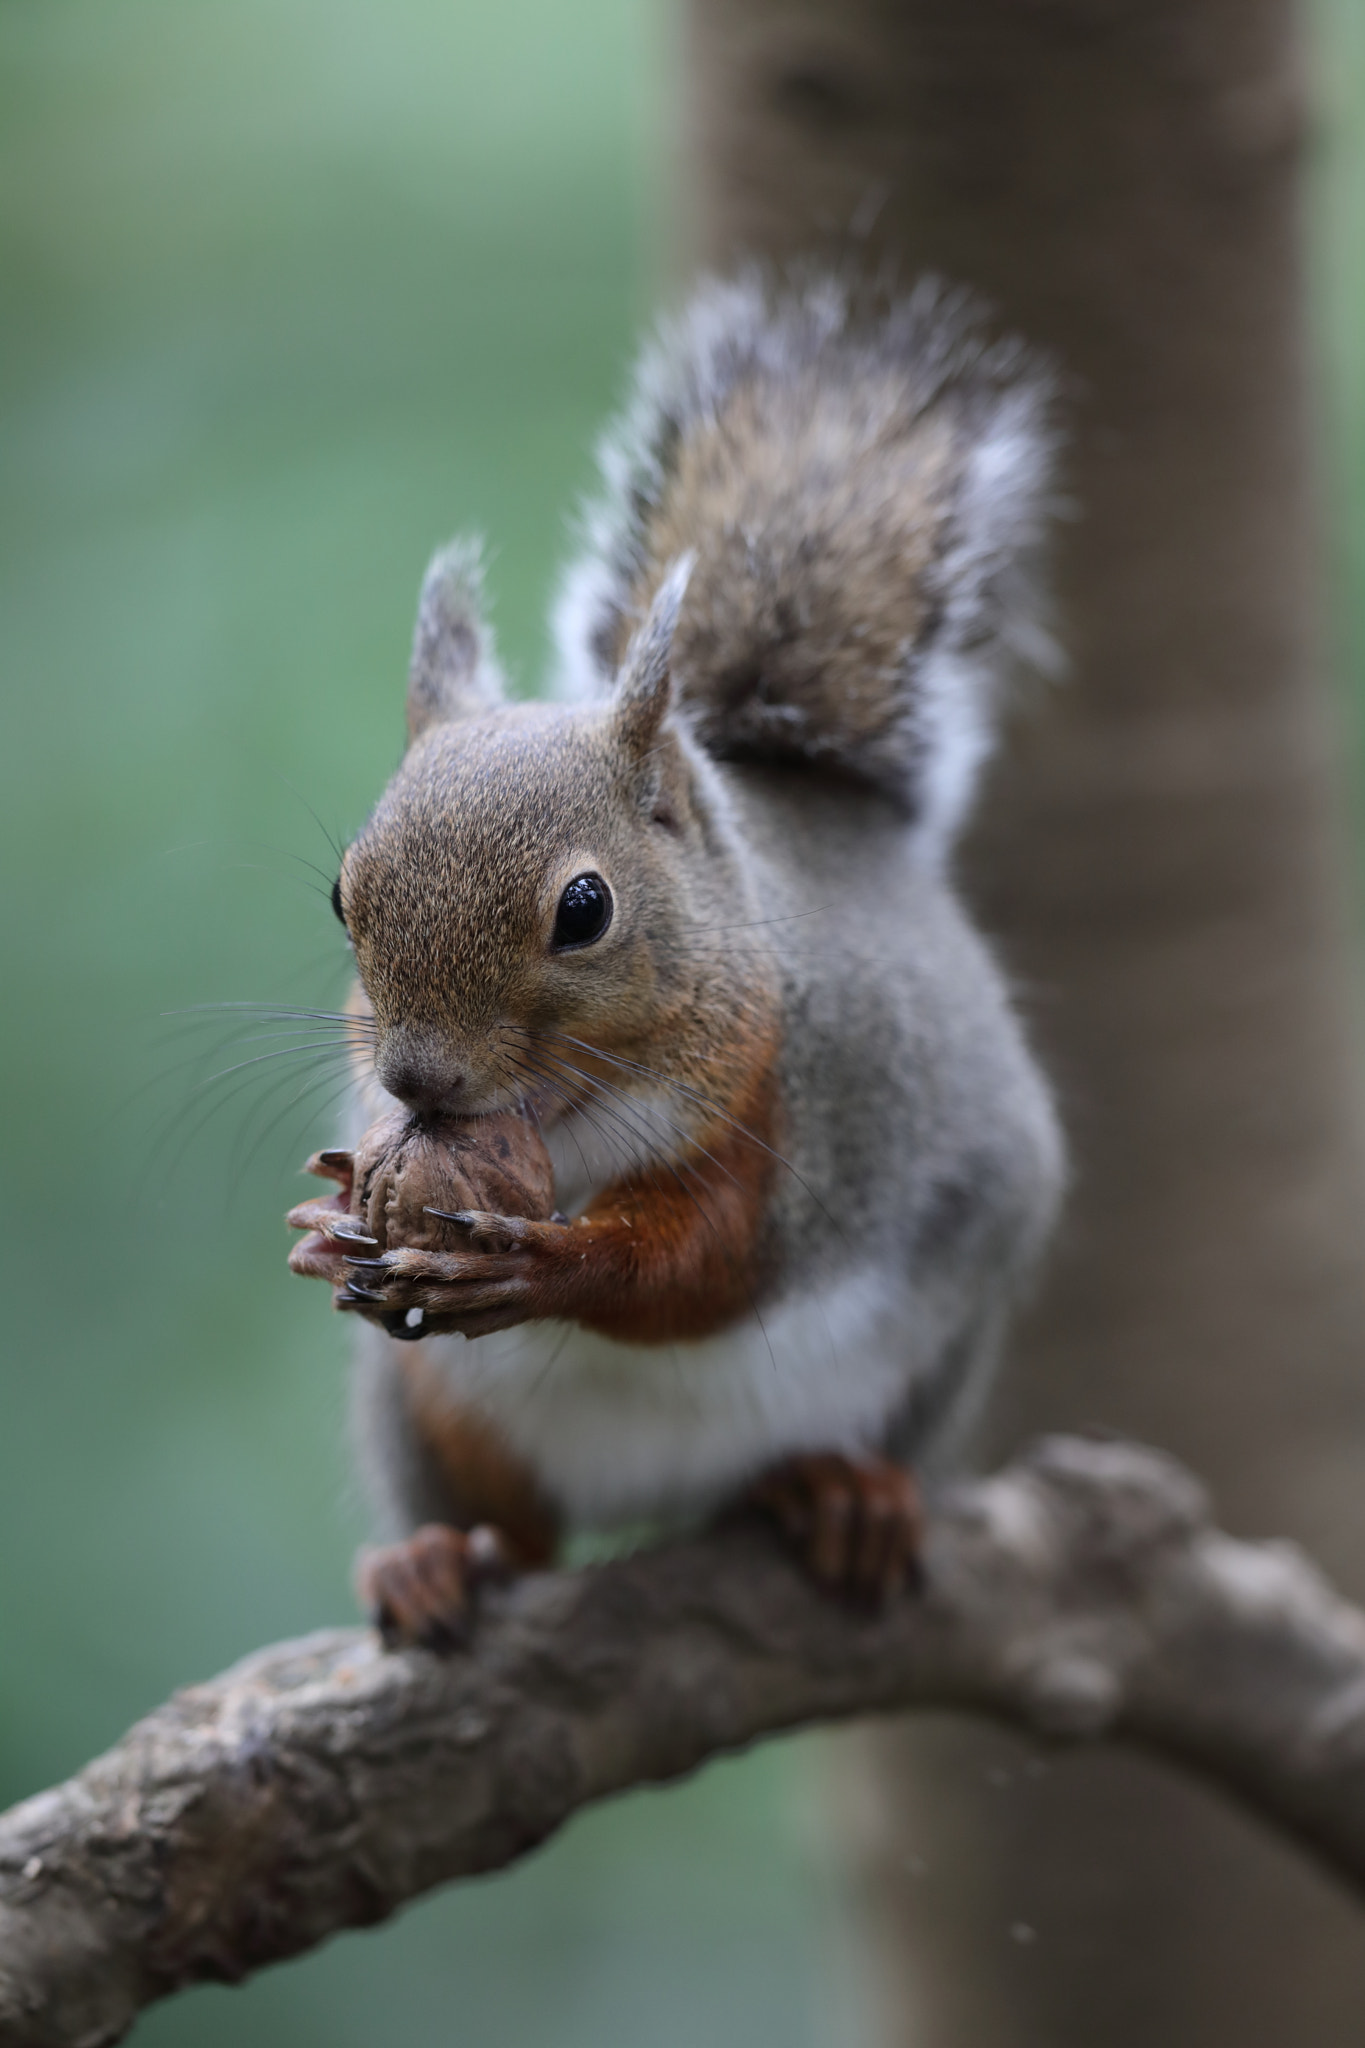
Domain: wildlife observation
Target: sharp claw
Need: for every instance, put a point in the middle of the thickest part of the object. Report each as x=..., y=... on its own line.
x=453, y=1215
x=352, y=1236
x=360, y=1293
x=379, y=1265
x=330, y=1165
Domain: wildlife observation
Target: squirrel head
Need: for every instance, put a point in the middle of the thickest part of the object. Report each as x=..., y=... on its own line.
x=534, y=875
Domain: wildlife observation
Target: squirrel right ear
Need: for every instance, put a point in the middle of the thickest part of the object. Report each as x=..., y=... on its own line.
x=645, y=691
x=454, y=672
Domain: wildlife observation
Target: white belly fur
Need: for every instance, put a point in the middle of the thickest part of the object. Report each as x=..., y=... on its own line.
x=619, y=1432
x=616, y=1136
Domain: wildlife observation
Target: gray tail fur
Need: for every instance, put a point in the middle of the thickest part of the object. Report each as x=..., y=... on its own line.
x=866, y=501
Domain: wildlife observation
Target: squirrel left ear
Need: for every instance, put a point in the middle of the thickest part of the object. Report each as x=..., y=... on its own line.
x=454, y=672
x=645, y=691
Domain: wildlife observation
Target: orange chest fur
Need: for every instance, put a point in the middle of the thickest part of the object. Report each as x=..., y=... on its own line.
x=689, y=1234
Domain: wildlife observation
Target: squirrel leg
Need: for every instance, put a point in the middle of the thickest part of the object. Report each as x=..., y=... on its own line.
x=857, y=1523
x=483, y=1518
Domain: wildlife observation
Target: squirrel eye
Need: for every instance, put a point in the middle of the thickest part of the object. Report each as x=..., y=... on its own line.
x=336, y=901
x=584, y=912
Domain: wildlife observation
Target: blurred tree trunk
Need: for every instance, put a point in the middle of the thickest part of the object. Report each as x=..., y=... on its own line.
x=1161, y=858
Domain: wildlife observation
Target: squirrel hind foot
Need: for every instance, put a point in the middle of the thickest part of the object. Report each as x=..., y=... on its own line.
x=857, y=1524
x=422, y=1593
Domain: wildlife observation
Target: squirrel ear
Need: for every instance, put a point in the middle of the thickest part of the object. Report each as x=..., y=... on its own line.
x=454, y=672
x=645, y=691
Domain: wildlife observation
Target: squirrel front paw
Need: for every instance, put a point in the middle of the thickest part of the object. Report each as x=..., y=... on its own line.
x=496, y=1279
x=857, y=1523
x=333, y=1232
x=421, y=1593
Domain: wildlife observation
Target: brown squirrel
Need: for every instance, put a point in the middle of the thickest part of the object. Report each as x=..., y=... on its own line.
x=696, y=918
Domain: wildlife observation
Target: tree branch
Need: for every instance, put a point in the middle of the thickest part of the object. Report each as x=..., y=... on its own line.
x=320, y=1784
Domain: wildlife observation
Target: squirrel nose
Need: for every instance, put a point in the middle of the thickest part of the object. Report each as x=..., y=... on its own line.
x=420, y=1074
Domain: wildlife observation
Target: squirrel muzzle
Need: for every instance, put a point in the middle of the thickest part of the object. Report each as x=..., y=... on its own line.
x=426, y=1073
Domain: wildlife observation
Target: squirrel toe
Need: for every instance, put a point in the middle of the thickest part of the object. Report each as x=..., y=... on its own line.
x=856, y=1523
x=421, y=1593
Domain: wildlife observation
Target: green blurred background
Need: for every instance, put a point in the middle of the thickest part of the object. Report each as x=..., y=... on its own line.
x=288, y=293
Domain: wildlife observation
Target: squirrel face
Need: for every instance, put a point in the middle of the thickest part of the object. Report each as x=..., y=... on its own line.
x=535, y=870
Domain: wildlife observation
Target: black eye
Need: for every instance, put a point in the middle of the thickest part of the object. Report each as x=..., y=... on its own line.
x=584, y=912
x=336, y=901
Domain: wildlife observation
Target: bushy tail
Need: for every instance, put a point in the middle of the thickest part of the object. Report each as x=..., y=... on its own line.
x=865, y=502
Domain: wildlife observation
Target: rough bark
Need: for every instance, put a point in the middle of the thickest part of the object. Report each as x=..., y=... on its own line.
x=1159, y=853
x=320, y=1784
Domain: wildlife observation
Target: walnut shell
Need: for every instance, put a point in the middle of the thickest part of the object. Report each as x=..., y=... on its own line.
x=403, y=1168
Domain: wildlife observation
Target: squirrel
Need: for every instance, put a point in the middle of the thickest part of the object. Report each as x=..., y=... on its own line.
x=695, y=914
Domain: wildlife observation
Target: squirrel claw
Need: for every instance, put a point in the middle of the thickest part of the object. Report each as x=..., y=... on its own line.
x=338, y=1166
x=421, y=1593
x=490, y=1232
x=353, y=1287
x=857, y=1523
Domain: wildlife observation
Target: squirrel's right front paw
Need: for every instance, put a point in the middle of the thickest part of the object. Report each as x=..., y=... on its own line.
x=421, y=1593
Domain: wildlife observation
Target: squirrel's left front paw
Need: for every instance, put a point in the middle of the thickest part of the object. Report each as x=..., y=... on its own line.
x=496, y=1282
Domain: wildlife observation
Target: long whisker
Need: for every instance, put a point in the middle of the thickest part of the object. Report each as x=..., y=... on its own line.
x=219, y=1102
x=261, y=1115
x=702, y=1101
x=634, y=1149
x=677, y=1168
x=554, y=1076
x=560, y=1095
x=331, y=838
x=354, y=1019
x=688, y=1138
x=549, y=1365
x=293, y=1031
x=324, y=1047
x=572, y=1104
x=166, y=1071
x=637, y=1124
x=241, y=1165
x=676, y=1087
x=755, y=923
x=628, y=1161
x=215, y=1096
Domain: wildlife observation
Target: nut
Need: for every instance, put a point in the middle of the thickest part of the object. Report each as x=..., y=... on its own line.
x=403, y=1169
